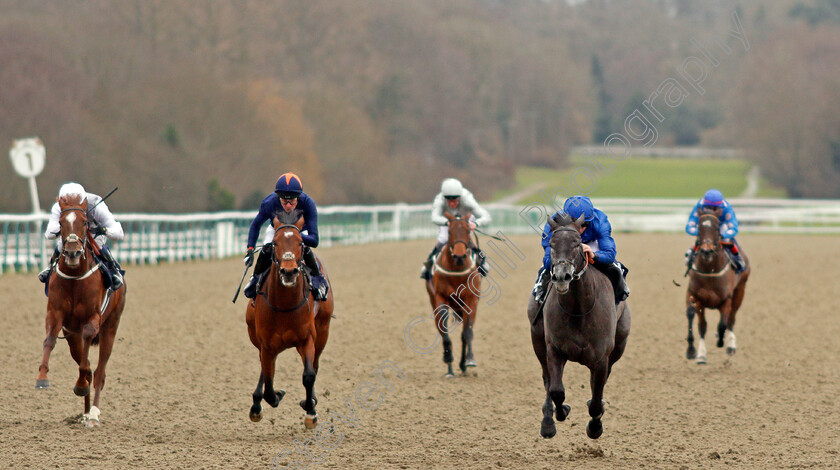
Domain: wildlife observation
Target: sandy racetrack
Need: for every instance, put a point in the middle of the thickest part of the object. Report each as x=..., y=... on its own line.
x=181, y=376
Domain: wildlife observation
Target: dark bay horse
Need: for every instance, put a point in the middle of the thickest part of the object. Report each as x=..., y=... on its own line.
x=454, y=287
x=579, y=322
x=76, y=294
x=285, y=315
x=712, y=283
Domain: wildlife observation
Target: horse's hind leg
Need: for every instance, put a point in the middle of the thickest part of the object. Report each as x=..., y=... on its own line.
x=53, y=326
x=547, y=427
x=442, y=323
x=690, y=353
x=737, y=298
x=597, y=380
x=556, y=391
x=256, y=409
x=725, y=333
x=307, y=353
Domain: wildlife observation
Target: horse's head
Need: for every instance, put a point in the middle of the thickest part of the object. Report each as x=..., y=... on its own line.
x=73, y=223
x=459, y=237
x=566, y=251
x=708, y=232
x=288, y=246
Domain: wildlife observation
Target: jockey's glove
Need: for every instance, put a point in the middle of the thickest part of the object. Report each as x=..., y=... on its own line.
x=249, y=258
x=100, y=230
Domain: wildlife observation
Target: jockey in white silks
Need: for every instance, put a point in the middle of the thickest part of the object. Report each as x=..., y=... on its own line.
x=102, y=225
x=454, y=198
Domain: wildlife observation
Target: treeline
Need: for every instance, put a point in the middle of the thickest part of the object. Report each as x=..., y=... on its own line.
x=193, y=106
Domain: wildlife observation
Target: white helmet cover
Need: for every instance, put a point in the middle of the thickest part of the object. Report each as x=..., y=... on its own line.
x=452, y=187
x=71, y=188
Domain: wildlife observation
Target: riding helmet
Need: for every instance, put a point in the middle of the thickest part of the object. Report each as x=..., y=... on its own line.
x=71, y=188
x=288, y=185
x=451, y=188
x=713, y=198
x=576, y=206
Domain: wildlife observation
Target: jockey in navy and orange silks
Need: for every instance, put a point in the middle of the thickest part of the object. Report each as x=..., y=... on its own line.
x=288, y=195
x=713, y=199
x=597, y=244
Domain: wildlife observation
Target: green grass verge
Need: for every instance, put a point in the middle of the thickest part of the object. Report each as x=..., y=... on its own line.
x=642, y=177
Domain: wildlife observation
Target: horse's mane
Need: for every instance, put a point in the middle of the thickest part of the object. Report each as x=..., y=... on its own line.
x=288, y=218
x=563, y=219
x=71, y=200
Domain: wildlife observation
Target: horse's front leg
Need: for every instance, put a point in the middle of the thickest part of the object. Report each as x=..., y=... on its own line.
x=442, y=323
x=267, y=359
x=597, y=379
x=106, y=345
x=725, y=333
x=256, y=410
x=690, y=353
x=467, y=359
x=701, y=330
x=556, y=363
x=307, y=353
x=53, y=326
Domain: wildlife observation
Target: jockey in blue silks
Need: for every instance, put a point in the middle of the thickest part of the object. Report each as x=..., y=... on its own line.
x=713, y=199
x=598, y=244
x=288, y=195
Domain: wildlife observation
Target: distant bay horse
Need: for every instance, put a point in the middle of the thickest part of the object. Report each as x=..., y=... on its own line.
x=284, y=315
x=450, y=290
x=712, y=283
x=76, y=298
x=578, y=322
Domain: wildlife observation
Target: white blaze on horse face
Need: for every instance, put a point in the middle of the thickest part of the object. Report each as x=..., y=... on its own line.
x=288, y=234
x=706, y=223
x=71, y=219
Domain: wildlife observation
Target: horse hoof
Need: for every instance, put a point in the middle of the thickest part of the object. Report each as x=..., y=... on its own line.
x=730, y=351
x=548, y=429
x=310, y=421
x=563, y=412
x=594, y=429
x=81, y=392
x=719, y=342
x=256, y=413
x=471, y=363
x=449, y=375
x=280, y=394
x=42, y=384
x=691, y=353
x=701, y=360
x=92, y=423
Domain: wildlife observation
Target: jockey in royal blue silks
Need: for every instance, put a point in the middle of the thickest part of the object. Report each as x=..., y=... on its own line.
x=596, y=236
x=713, y=199
x=288, y=195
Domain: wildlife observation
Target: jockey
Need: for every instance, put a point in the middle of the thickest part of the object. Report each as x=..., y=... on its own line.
x=288, y=195
x=454, y=198
x=713, y=199
x=102, y=225
x=598, y=244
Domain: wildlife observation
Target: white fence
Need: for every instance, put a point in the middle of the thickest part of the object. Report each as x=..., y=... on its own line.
x=152, y=238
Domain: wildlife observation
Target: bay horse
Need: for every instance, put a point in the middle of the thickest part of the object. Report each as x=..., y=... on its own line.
x=284, y=314
x=451, y=288
x=76, y=297
x=578, y=322
x=712, y=283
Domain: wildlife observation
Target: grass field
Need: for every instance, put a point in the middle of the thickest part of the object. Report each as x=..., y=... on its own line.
x=642, y=177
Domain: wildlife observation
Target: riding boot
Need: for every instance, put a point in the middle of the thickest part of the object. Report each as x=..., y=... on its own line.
x=483, y=269
x=319, y=284
x=734, y=252
x=44, y=275
x=540, y=286
x=112, y=266
x=260, y=267
x=615, y=272
x=426, y=271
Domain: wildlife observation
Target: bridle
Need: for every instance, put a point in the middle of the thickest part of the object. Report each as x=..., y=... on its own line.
x=73, y=238
x=280, y=271
x=715, y=246
x=575, y=275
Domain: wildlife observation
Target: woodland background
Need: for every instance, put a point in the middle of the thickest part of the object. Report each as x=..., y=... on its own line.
x=200, y=105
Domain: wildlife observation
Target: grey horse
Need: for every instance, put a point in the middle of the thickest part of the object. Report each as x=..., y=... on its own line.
x=579, y=322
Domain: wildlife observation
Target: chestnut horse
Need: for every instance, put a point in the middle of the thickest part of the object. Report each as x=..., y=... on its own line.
x=284, y=314
x=451, y=287
x=76, y=294
x=712, y=283
x=579, y=322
